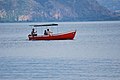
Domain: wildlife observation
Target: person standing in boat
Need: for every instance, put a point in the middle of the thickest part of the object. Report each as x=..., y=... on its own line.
x=49, y=32
x=33, y=33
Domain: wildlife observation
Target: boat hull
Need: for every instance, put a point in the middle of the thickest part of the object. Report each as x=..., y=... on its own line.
x=62, y=36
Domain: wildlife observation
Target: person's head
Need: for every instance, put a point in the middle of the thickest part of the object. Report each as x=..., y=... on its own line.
x=47, y=29
x=33, y=29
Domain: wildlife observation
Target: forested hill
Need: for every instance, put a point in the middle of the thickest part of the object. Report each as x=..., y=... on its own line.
x=53, y=10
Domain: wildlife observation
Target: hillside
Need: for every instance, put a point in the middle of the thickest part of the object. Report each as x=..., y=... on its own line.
x=53, y=10
x=111, y=4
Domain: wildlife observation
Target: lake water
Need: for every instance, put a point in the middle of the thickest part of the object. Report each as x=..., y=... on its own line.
x=94, y=54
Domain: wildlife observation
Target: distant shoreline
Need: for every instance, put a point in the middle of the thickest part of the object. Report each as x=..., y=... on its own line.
x=59, y=21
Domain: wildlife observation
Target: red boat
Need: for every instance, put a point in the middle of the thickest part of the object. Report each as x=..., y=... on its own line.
x=61, y=36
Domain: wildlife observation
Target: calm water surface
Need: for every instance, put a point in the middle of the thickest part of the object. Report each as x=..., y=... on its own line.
x=94, y=54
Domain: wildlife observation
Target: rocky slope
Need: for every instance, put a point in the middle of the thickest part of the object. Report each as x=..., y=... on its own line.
x=53, y=10
x=110, y=4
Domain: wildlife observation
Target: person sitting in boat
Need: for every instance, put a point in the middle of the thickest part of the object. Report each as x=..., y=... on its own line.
x=49, y=32
x=33, y=33
x=45, y=32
